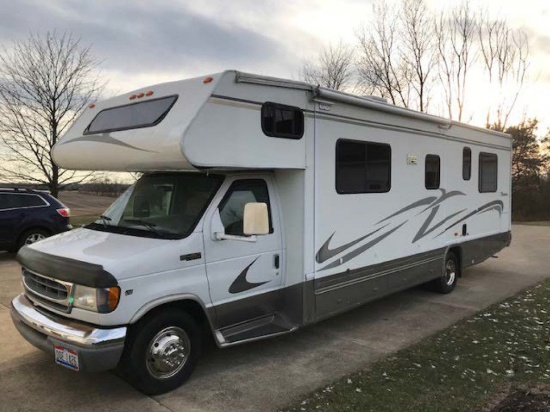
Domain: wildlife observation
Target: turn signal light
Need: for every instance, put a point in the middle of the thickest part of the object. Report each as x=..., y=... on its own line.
x=114, y=297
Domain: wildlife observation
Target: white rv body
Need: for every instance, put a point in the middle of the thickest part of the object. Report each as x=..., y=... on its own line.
x=328, y=250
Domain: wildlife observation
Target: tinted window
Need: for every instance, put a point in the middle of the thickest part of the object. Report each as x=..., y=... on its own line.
x=433, y=172
x=131, y=116
x=14, y=200
x=362, y=167
x=282, y=121
x=240, y=193
x=488, y=172
x=466, y=163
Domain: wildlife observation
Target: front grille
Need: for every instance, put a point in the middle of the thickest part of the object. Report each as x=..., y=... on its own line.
x=45, y=287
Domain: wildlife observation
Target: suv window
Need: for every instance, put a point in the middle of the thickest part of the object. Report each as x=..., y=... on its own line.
x=17, y=200
x=240, y=193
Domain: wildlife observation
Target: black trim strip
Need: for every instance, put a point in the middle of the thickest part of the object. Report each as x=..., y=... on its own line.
x=69, y=270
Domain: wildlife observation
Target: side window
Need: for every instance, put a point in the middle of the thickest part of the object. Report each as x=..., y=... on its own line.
x=282, y=121
x=4, y=201
x=488, y=172
x=432, y=172
x=466, y=163
x=27, y=201
x=240, y=193
x=362, y=167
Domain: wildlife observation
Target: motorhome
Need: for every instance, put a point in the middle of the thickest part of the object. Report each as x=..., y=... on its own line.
x=265, y=205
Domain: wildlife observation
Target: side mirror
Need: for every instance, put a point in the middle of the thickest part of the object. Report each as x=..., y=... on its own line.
x=256, y=219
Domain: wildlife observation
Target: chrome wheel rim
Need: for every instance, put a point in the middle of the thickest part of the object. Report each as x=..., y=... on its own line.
x=450, y=272
x=33, y=238
x=168, y=352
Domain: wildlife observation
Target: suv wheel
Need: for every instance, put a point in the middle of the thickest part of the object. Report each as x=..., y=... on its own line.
x=32, y=236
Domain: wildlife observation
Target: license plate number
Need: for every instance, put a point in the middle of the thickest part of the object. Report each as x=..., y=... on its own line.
x=66, y=357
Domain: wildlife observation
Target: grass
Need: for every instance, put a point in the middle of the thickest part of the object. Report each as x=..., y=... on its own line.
x=458, y=369
x=78, y=221
x=538, y=223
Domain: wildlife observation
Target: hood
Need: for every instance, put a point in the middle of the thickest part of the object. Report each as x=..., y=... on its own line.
x=122, y=256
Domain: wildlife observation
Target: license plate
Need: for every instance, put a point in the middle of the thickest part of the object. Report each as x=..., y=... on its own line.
x=66, y=357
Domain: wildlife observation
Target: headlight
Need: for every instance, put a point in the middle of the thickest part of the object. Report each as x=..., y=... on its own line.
x=103, y=300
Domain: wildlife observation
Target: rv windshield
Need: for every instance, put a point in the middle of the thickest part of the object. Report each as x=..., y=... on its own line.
x=167, y=206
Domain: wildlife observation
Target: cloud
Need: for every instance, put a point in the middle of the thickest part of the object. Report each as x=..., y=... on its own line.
x=138, y=37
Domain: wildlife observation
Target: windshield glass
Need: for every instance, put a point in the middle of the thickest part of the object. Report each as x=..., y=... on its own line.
x=160, y=205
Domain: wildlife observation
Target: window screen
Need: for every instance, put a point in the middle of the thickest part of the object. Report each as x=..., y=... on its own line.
x=432, y=172
x=362, y=167
x=466, y=163
x=282, y=121
x=488, y=172
x=131, y=116
x=239, y=194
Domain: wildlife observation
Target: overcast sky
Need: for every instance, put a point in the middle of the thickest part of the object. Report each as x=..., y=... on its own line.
x=146, y=42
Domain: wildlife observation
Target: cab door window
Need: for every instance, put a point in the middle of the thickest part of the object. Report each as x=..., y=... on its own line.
x=239, y=194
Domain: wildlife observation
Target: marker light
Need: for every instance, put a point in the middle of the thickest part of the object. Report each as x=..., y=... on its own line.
x=91, y=106
x=140, y=95
x=149, y=93
x=132, y=97
x=207, y=79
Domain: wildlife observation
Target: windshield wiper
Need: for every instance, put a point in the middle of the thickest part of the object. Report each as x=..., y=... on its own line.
x=105, y=219
x=148, y=225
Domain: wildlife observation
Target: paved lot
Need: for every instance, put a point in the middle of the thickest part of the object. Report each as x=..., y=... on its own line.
x=268, y=375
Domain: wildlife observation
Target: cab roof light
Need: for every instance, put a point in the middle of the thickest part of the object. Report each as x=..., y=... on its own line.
x=149, y=93
x=140, y=95
x=132, y=97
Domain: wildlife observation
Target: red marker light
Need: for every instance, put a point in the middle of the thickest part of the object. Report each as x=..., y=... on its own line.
x=140, y=95
x=132, y=97
x=149, y=93
x=207, y=79
x=91, y=106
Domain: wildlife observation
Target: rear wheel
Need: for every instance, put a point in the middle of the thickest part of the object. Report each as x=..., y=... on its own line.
x=448, y=279
x=32, y=236
x=161, y=352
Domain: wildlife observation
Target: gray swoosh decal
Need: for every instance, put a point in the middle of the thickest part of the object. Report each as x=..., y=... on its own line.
x=325, y=253
x=108, y=140
x=241, y=284
x=421, y=202
x=494, y=205
x=444, y=196
x=422, y=232
x=361, y=249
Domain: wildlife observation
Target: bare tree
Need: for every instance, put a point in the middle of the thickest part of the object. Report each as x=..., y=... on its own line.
x=380, y=66
x=45, y=83
x=505, y=55
x=456, y=34
x=398, y=53
x=334, y=68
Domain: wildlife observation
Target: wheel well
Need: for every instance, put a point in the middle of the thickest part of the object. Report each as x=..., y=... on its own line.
x=458, y=253
x=43, y=228
x=193, y=308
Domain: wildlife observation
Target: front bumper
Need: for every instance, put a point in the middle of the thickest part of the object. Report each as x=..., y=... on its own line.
x=98, y=349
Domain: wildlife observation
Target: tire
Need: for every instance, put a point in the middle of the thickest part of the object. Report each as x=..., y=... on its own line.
x=446, y=283
x=31, y=236
x=144, y=363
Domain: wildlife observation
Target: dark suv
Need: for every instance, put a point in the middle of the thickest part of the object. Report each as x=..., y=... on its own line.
x=27, y=216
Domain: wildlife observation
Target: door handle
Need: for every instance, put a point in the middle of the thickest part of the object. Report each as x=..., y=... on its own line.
x=276, y=261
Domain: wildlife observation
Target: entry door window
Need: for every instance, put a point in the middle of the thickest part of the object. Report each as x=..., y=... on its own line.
x=239, y=194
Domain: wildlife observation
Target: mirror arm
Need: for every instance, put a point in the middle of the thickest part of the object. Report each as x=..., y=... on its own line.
x=223, y=236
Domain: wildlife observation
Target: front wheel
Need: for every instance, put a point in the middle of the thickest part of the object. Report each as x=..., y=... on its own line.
x=161, y=352
x=448, y=279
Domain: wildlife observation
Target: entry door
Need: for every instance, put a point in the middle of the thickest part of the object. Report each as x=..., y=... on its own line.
x=244, y=277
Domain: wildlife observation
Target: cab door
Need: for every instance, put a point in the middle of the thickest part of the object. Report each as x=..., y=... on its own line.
x=244, y=272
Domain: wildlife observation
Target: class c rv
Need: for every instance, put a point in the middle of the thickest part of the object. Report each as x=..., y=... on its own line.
x=265, y=205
